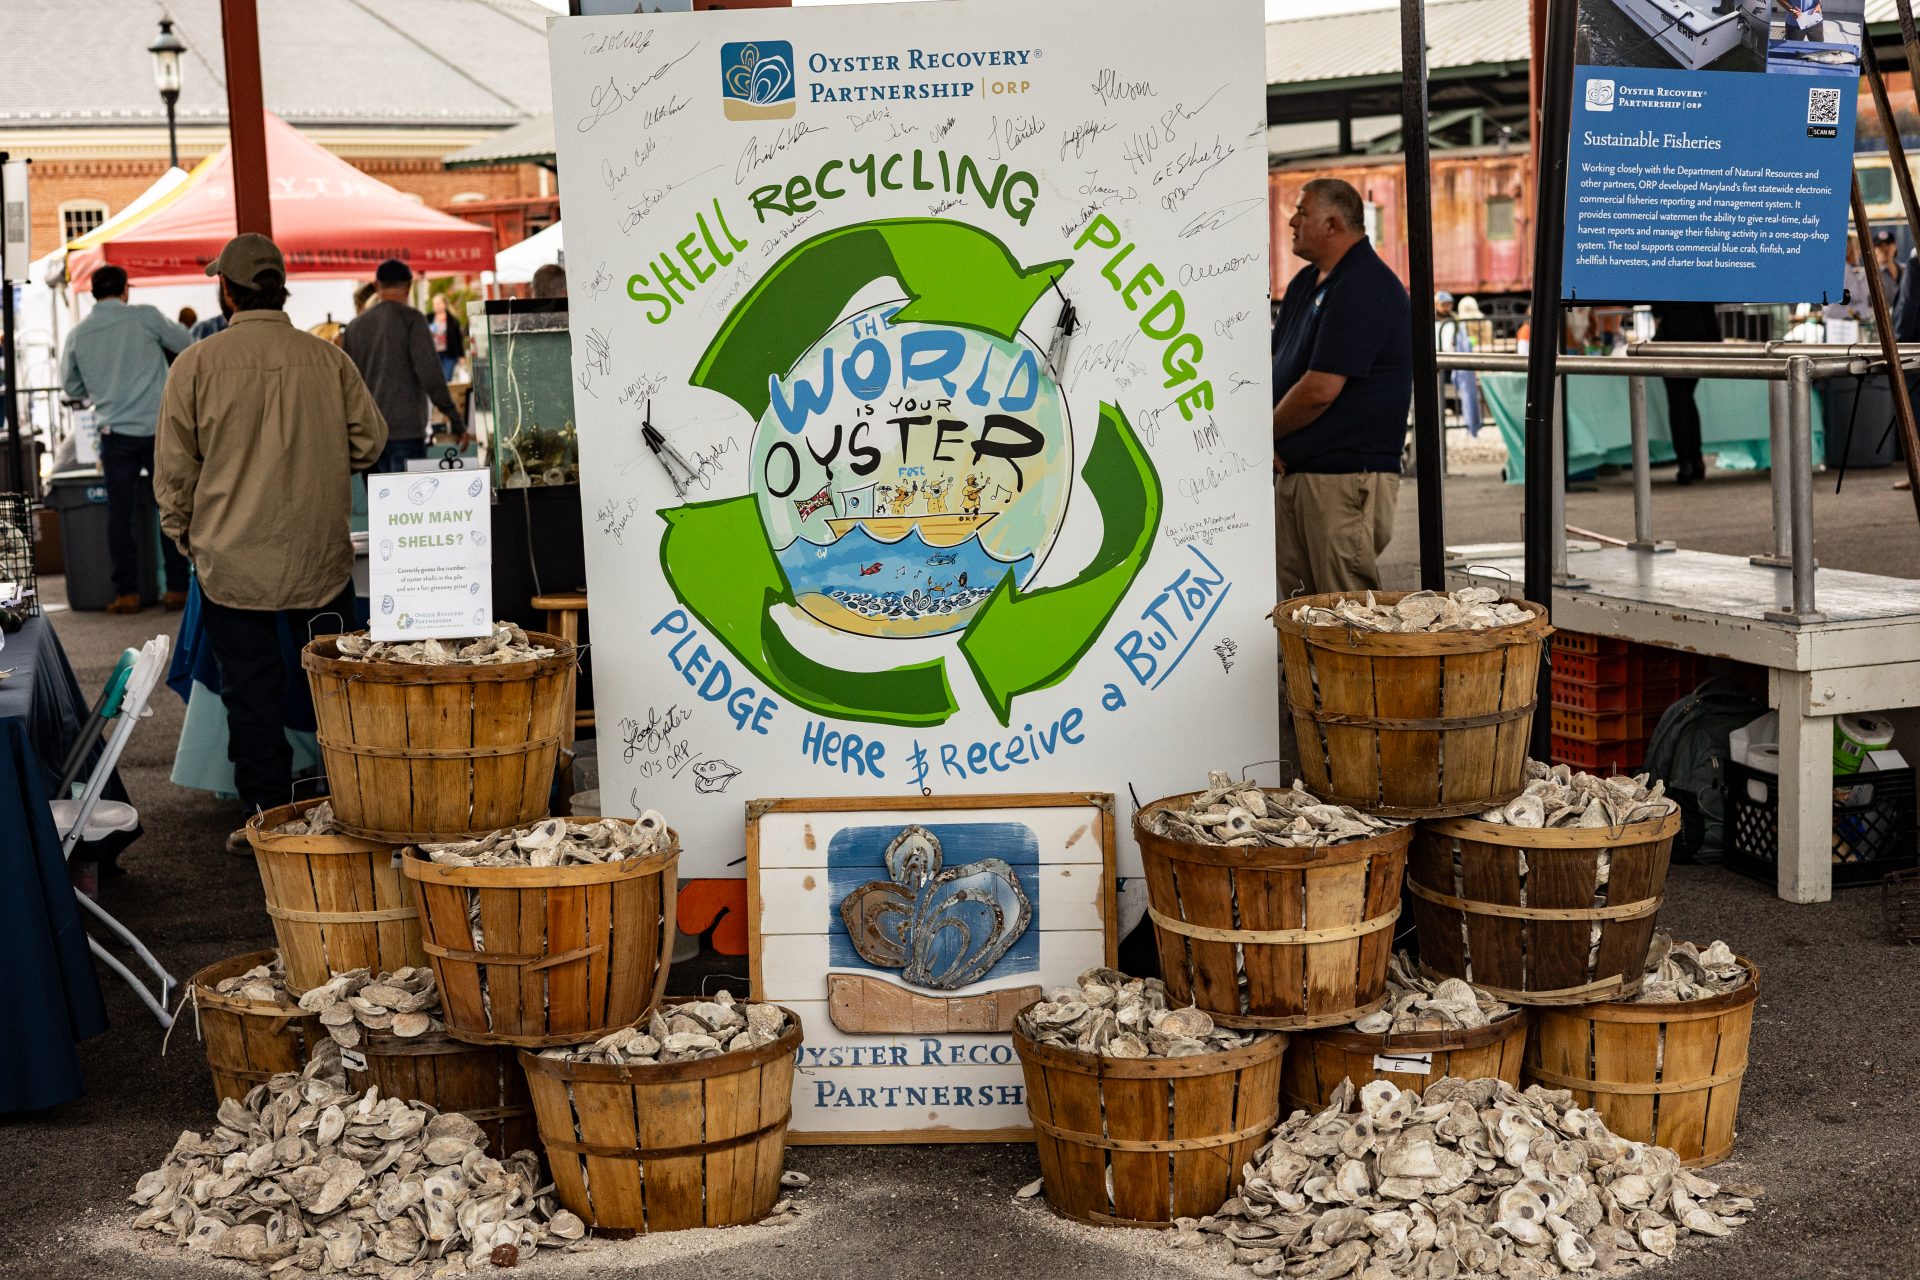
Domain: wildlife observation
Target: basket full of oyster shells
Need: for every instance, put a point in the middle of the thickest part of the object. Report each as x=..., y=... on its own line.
x=249, y=1023
x=1550, y=897
x=711, y=1082
x=337, y=900
x=1413, y=704
x=1665, y=1064
x=549, y=934
x=1142, y=1110
x=440, y=739
x=1428, y=1028
x=1245, y=883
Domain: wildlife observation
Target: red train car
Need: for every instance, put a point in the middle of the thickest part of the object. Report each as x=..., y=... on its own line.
x=1482, y=243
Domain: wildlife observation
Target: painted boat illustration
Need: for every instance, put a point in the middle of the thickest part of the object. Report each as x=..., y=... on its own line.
x=936, y=531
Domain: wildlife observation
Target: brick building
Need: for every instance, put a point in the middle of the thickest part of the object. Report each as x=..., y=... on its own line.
x=391, y=88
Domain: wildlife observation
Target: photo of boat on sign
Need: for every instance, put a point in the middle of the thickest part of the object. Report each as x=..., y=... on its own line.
x=1692, y=35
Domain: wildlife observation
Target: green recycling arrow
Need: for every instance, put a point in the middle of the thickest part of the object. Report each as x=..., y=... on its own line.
x=716, y=556
x=953, y=274
x=1022, y=641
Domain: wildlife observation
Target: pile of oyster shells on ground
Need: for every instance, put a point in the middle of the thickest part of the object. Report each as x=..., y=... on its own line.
x=1231, y=812
x=684, y=1032
x=1679, y=971
x=555, y=842
x=505, y=643
x=1418, y=1003
x=308, y=1177
x=266, y=983
x=1115, y=1016
x=1468, y=609
x=1473, y=1179
x=1556, y=796
x=405, y=1002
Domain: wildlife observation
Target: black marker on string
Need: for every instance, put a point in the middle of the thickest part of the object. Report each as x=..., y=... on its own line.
x=1063, y=330
x=668, y=457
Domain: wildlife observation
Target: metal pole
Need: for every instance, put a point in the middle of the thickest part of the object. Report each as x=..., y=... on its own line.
x=246, y=117
x=1561, y=578
x=1800, y=465
x=1889, y=346
x=173, y=136
x=10, y=369
x=1642, y=469
x=1780, y=479
x=1429, y=439
x=1549, y=234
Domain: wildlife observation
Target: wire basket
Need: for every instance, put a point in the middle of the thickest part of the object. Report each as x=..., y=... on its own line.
x=16, y=556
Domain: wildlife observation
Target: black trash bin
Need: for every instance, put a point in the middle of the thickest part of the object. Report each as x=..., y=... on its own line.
x=1860, y=438
x=80, y=498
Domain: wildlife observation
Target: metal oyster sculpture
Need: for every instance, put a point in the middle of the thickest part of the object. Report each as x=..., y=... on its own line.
x=942, y=927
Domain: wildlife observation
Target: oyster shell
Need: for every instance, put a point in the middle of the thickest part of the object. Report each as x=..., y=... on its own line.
x=554, y=842
x=1469, y=609
x=707, y=1029
x=1241, y=813
x=1113, y=1015
x=1682, y=971
x=505, y=643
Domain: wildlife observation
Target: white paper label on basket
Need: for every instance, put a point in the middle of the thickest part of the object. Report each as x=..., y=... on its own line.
x=430, y=555
x=353, y=1060
x=1406, y=1064
x=397, y=860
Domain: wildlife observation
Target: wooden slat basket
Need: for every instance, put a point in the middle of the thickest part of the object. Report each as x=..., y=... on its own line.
x=1666, y=1072
x=1139, y=1142
x=668, y=1147
x=483, y=1082
x=1411, y=725
x=1319, y=1060
x=1312, y=929
x=338, y=901
x=419, y=753
x=1512, y=909
x=565, y=954
x=246, y=1041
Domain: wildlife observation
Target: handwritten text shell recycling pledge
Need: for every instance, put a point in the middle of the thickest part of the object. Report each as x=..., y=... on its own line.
x=1089, y=133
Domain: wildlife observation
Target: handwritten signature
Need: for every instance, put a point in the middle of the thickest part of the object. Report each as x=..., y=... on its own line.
x=708, y=463
x=655, y=734
x=602, y=281
x=605, y=99
x=1215, y=219
x=1013, y=131
x=758, y=153
x=1110, y=88
x=1083, y=135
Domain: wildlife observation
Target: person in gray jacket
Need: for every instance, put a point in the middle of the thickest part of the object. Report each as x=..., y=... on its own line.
x=392, y=346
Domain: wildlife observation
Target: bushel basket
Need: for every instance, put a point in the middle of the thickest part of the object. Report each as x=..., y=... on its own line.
x=670, y=1146
x=429, y=753
x=337, y=901
x=1523, y=912
x=548, y=955
x=1319, y=1060
x=1310, y=930
x=246, y=1041
x=1139, y=1142
x=483, y=1082
x=1664, y=1072
x=1411, y=725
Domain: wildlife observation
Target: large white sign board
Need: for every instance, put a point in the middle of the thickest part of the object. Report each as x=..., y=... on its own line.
x=429, y=558
x=922, y=546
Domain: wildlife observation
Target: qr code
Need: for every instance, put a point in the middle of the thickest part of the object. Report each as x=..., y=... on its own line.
x=1823, y=106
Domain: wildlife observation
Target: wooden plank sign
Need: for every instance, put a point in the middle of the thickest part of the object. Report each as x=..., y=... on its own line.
x=906, y=933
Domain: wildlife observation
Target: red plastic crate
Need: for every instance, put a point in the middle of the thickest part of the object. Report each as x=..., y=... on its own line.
x=1586, y=668
x=1581, y=642
x=1599, y=757
x=1657, y=664
x=1656, y=697
x=1595, y=726
x=1574, y=696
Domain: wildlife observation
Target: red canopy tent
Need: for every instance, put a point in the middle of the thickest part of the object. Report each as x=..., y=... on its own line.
x=329, y=219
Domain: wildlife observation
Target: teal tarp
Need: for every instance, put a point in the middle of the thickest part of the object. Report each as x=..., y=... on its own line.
x=1733, y=421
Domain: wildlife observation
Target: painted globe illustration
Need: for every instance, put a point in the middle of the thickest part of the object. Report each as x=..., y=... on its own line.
x=904, y=470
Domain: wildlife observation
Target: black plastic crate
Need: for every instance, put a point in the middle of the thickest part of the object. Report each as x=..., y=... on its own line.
x=16, y=549
x=1873, y=824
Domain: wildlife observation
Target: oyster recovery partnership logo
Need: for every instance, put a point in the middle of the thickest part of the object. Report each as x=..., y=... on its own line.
x=756, y=79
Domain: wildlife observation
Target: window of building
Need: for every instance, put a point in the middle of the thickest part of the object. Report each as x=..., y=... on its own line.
x=468, y=197
x=1876, y=184
x=78, y=217
x=1500, y=218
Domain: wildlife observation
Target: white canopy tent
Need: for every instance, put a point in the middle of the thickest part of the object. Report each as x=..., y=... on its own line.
x=517, y=263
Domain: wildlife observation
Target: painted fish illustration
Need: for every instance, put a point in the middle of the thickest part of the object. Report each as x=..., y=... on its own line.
x=944, y=557
x=867, y=571
x=711, y=777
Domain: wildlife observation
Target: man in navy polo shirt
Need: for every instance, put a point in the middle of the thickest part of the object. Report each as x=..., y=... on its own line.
x=1342, y=385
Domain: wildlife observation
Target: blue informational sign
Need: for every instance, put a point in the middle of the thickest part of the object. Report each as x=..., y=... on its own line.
x=1711, y=156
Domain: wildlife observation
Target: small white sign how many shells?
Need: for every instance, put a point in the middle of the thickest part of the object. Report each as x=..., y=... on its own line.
x=430, y=555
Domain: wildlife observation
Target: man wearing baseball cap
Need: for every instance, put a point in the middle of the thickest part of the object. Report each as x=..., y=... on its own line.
x=392, y=345
x=261, y=428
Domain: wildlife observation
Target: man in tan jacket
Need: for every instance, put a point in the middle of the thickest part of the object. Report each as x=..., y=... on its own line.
x=261, y=428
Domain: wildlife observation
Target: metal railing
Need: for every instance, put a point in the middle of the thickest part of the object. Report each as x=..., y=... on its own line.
x=1791, y=369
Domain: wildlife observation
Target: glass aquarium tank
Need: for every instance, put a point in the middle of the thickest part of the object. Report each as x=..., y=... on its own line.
x=523, y=391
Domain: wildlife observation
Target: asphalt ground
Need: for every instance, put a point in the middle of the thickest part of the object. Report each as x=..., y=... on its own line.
x=1828, y=1121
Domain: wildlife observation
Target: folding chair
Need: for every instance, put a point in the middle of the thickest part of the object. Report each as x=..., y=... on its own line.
x=89, y=817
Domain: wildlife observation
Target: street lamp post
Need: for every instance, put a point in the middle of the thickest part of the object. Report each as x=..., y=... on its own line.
x=166, y=50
